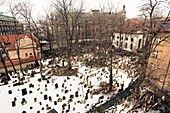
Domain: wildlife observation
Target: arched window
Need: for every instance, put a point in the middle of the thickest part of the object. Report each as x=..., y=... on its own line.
x=131, y=46
x=125, y=45
x=139, y=44
x=117, y=43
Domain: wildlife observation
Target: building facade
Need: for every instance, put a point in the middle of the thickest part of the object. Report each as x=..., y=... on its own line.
x=10, y=26
x=24, y=43
x=159, y=61
x=129, y=41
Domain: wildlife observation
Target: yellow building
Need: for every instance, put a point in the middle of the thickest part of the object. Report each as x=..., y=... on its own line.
x=159, y=61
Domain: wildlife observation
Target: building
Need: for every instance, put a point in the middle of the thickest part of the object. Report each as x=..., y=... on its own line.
x=159, y=61
x=25, y=50
x=10, y=26
x=129, y=37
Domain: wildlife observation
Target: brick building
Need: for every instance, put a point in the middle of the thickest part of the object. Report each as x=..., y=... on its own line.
x=10, y=26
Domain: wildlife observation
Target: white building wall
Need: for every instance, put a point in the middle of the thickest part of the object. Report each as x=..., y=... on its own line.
x=129, y=39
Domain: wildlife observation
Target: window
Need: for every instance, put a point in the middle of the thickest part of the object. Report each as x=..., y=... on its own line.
x=125, y=45
x=121, y=43
x=30, y=54
x=155, y=54
x=113, y=37
x=152, y=65
x=126, y=38
x=117, y=37
x=117, y=43
x=158, y=39
x=131, y=39
x=131, y=46
x=139, y=43
x=26, y=54
x=121, y=38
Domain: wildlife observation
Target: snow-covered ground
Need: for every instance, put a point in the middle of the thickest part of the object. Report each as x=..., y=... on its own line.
x=63, y=93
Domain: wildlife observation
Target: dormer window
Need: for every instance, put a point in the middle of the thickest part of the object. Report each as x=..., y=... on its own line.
x=158, y=39
x=155, y=54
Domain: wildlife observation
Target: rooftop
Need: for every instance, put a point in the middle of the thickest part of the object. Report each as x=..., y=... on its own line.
x=7, y=17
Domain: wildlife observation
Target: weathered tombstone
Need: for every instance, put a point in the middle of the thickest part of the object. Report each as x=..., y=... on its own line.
x=52, y=111
x=63, y=85
x=69, y=106
x=101, y=97
x=50, y=99
x=85, y=85
x=56, y=85
x=64, y=97
x=71, y=96
x=55, y=102
x=86, y=97
x=35, y=99
x=15, y=99
x=88, y=91
x=45, y=97
x=48, y=81
x=10, y=92
x=24, y=91
x=76, y=94
x=39, y=80
x=30, y=91
x=31, y=107
x=13, y=104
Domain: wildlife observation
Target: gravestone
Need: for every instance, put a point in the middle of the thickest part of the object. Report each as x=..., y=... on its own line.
x=24, y=91
x=56, y=85
x=52, y=111
x=13, y=104
x=76, y=94
x=31, y=107
x=45, y=97
x=55, y=102
x=86, y=97
x=50, y=99
x=10, y=92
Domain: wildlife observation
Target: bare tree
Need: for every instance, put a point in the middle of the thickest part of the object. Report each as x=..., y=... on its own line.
x=4, y=48
x=69, y=15
x=14, y=10
x=148, y=9
x=2, y=1
x=26, y=13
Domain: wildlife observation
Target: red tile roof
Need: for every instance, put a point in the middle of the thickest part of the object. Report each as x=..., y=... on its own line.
x=13, y=38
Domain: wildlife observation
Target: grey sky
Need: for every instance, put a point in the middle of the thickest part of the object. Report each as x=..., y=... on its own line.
x=41, y=5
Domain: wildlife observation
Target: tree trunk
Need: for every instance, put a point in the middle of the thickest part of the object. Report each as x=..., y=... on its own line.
x=36, y=61
x=8, y=57
x=6, y=70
